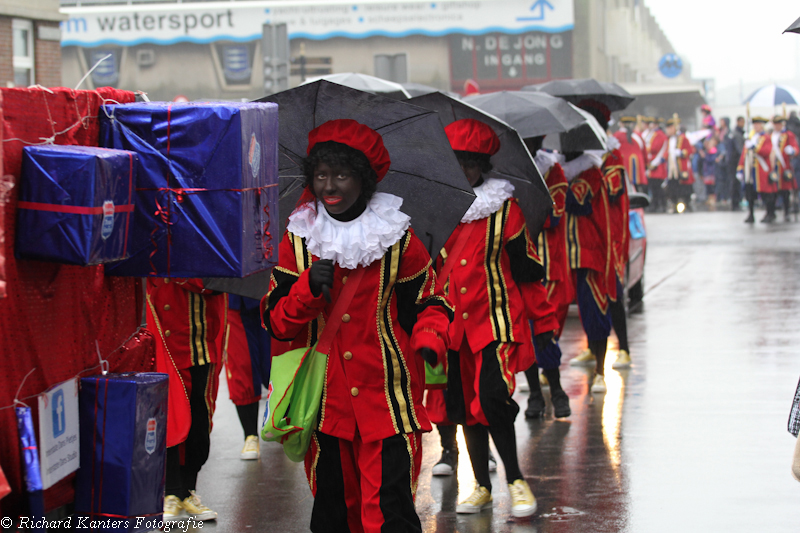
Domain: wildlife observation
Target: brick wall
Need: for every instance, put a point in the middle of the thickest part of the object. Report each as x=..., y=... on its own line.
x=47, y=56
x=6, y=51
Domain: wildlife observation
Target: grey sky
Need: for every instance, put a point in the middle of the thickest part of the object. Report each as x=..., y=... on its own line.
x=733, y=39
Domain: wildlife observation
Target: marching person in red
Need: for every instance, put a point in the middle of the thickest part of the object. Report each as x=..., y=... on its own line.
x=552, y=249
x=365, y=455
x=784, y=149
x=247, y=366
x=657, y=145
x=679, y=166
x=190, y=321
x=633, y=152
x=760, y=179
x=590, y=254
x=492, y=275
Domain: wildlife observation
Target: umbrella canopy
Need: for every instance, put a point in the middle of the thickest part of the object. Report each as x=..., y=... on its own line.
x=366, y=83
x=512, y=162
x=773, y=95
x=588, y=136
x=574, y=91
x=794, y=28
x=424, y=170
x=418, y=89
x=531, y=114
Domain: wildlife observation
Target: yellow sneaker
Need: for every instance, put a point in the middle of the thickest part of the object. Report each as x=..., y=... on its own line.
x=479, y=500
x=585, y=358
x=599, y=384
x=173, y=510
x=523, y=502
x=623, y=360
x=196, y=509
x=251, y=450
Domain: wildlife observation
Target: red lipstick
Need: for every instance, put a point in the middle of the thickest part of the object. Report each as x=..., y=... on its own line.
x=332, y=200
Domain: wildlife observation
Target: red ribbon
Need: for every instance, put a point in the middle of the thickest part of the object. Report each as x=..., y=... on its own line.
x=73, y=209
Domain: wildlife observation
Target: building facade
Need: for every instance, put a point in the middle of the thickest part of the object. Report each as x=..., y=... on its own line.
x=30, y=43
x=214, y=50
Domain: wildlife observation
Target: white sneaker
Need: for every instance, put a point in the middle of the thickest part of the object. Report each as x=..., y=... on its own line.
x=599, y=384
x=173, y=509
x=251, y=450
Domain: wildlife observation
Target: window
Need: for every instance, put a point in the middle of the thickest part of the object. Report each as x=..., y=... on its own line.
x=23, y=52
x=392, y=67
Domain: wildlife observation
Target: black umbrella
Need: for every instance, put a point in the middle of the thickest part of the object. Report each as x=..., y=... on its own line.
x=531, y=114
x=588, y=136
x=424, y=169
x=794, y=28
x=513, y=162
x=574, y=91
x=418, y=89
x=366, y=83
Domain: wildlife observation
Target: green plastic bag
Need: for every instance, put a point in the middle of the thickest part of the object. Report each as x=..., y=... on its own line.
x=293, y=400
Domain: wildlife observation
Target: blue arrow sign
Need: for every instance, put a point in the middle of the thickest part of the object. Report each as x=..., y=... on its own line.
x=538, y=5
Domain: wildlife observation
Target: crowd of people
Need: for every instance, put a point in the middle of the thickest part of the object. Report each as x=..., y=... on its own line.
x=491, y=305
x=718, y=166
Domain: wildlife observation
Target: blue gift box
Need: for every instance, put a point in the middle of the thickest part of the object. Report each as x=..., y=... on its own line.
x=75, y=204
x=123, y=437
x=207, y=195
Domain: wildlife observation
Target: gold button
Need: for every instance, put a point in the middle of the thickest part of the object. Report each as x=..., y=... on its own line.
x=345, y=318
x=348, y=355
x=463, y=262
x=465, y=316
x=354, y=391
x=166, y=280
x=344, y=280
x=166, y=307
x=167, y=333
x=463, y=290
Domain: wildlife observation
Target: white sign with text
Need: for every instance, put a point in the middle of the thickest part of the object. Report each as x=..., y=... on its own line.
x=206, y=22
x=59, y=446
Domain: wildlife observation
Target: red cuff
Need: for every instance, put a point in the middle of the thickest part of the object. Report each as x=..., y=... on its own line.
x=427, y=338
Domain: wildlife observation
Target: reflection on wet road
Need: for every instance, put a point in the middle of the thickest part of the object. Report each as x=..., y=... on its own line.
x=692, y=438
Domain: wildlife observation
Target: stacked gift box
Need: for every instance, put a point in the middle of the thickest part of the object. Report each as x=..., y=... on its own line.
x=206, y=196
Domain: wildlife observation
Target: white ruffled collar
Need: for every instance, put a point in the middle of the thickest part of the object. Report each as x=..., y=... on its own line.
x=545, y=160
x=612, y=143
x=357, y=242
x=489, y=197
x=585, y=161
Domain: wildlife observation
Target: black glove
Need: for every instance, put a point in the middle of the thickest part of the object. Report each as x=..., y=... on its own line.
x=429, y=355
x=543, y=339
x=320, y=278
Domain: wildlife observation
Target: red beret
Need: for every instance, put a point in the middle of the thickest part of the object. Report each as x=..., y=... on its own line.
x=355, y=135
x=470, y=135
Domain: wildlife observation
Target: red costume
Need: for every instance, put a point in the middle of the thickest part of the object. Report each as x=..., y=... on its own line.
x=553, y=246
x=784, y=149
x=190, y=322
x=371, y=414
x=679, y=160
x=634, y=156
x=657, y=155
x=614, y=175
x=760, y=173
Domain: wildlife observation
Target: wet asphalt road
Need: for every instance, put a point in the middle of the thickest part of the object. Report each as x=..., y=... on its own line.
x=692, y=438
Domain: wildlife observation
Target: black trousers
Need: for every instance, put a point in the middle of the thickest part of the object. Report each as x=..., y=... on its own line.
x=182, y=475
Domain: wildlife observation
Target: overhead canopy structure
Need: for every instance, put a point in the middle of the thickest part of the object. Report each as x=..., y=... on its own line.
x=663, y=100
